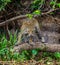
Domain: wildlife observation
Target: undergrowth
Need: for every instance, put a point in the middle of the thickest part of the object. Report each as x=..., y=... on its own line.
x=6, y=51
x=35, y=5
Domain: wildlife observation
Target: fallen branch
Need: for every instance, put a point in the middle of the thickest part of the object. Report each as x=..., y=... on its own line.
x=41, y=46
x=24, y=16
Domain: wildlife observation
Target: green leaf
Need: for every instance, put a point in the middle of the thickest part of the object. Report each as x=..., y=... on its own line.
x=16, y=55
x=58, y=4
x=3, y=3
x=29, y=15
x=37, y=12
x=34, y=52
x=57, y=55
x=52, y=3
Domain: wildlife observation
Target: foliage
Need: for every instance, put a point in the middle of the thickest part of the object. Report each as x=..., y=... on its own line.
x=3, y=3
x=57, y=55
x=58, y=5
x=55, y=4
x=6, y=51
x=36, y=12
x=34, y=52
x=6, y=46
x=29, y=16
x=37, y=4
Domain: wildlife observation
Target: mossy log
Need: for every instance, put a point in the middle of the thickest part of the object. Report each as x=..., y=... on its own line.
x=41, y=46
